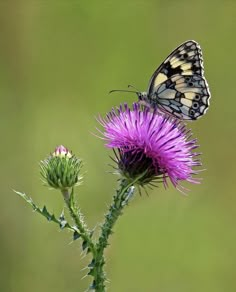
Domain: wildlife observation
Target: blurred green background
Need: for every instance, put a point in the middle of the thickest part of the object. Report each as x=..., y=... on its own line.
x=58, y=60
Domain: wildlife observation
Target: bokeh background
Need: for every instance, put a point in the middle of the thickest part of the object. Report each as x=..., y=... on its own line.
x=58, y=60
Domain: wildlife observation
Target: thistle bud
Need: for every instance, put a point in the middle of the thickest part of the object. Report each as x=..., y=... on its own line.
x=61, y=169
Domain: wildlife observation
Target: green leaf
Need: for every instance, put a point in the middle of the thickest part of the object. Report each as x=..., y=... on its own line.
x=93, y=285
x=84, y=244
x=91, y=272
x=76, y=235
x=92, y=264
x=45, y=213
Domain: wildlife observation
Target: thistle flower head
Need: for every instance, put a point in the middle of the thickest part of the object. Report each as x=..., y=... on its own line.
x=150, y=146
x=61, y=169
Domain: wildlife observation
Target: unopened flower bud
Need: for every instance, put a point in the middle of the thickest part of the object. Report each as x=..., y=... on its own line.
x=61, y=169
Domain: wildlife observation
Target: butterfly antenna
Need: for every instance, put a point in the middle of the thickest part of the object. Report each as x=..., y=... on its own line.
x=131, y=86
x=121, y=90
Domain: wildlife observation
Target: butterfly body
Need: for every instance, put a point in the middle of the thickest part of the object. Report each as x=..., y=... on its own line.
x=178, y=87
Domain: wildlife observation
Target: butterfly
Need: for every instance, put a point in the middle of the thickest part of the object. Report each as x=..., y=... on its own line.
x=178, y=86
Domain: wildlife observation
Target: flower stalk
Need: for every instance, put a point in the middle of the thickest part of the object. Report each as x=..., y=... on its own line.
x=120, y=200
x=77, y=217
x=96, y=267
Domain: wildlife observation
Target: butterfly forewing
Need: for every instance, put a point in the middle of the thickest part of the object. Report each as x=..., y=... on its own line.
x=178, y=86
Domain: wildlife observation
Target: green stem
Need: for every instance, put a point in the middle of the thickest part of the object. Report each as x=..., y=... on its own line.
x=120, y=200
x=79, y=222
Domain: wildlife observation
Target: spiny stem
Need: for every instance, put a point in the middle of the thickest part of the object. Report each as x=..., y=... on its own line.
x=79, y=222
x=120, y=200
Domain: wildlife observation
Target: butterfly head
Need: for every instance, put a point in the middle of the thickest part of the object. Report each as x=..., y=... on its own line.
x=144, y=99
x=142, y=96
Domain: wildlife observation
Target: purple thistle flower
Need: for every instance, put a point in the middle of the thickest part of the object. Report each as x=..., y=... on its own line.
x=150, y=146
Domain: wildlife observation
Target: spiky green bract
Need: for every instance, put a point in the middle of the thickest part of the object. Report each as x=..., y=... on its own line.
x=61, y=169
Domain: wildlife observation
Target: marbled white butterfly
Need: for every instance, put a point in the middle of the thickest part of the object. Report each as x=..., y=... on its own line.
x=178, y=86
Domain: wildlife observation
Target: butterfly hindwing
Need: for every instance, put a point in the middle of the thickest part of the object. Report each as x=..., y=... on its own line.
x=178, y=86
x=185, y=97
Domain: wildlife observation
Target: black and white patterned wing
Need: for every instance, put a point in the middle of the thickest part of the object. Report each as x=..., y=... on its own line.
x=178, y=86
